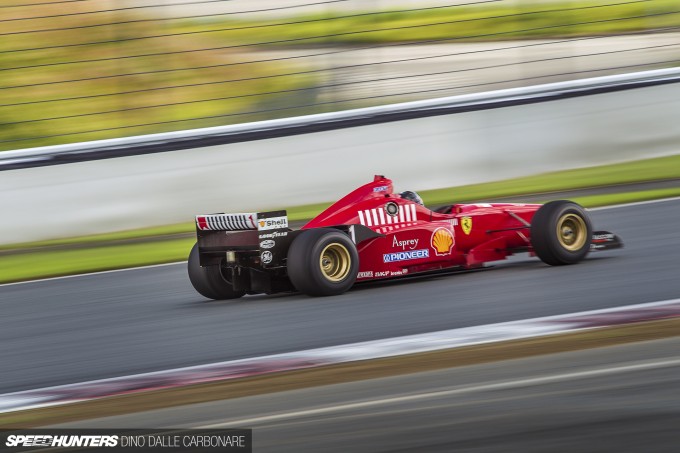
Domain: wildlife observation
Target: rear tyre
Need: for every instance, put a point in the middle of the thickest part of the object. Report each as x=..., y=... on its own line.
x=322, y=262
x=561, y=233
x=209, y=281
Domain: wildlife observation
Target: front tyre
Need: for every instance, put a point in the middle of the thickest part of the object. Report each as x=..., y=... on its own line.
x=322, y=262
x=561, y=233
x=209, y=281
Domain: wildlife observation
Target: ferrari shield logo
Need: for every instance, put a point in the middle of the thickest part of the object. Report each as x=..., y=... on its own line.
x=466, y=224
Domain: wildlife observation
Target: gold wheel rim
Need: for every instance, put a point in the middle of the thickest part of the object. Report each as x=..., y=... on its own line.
x=572, y=232
x=335, y=262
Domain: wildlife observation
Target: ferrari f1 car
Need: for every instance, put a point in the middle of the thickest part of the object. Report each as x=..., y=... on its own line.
x=374, y=234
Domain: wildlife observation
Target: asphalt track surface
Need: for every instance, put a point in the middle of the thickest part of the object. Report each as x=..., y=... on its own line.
x=616, y=399
x=112, y=324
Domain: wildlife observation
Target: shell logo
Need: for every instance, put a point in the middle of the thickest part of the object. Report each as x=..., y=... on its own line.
x=442, y=241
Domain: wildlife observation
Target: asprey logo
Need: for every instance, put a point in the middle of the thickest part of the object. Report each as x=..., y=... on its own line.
x=45, y=440
x=272, y=223
x=404, y=243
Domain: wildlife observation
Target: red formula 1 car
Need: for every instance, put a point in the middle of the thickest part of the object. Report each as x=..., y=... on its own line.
x=372, y=234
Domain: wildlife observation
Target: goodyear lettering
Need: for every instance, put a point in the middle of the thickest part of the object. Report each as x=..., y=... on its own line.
x=275, y=234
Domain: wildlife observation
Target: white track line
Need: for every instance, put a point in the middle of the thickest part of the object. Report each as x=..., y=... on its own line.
x=368, y=350
x=636, y=203
x=456, y=391
x=151, y=266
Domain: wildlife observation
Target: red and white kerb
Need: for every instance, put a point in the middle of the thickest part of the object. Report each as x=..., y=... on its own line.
x=227, y=222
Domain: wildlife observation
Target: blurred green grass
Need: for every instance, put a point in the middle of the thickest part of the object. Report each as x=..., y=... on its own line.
x=21, y=125
x=52, y=263
x=501, y=21
x=172, y=243
x=28, y=91
x=600, y=176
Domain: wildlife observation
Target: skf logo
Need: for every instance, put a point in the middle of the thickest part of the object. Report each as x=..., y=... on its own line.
x=442, y=241
x=466, y=224
x=272, y=223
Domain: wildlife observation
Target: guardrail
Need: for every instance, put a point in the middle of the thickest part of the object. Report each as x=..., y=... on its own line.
x=170, y=141
x=165, y=178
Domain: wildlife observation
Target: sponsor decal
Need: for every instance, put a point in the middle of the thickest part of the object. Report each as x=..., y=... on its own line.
x=392, y=209
x=391, y=273
x=267, y=244
x=134, y=439
x=380, y=189
x=266, y=257
x=226, y=222
x=388, y=217
x=46, y=440
x=365, y=274
x=442, y=241
x=404, y=243
x=272, y=223
x=603, y=237
x=275, y=234
x=466, y=224
x=407, y=255
x=452, y=222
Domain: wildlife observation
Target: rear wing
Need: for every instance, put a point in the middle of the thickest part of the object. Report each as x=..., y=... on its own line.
x=260, y=221
x=227, y=222
x=259, y=236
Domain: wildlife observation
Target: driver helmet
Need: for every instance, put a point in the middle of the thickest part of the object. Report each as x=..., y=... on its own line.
x=412, y=196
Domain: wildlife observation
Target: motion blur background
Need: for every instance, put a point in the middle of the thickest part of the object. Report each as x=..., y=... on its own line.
x=79, y=70
x=84, y=189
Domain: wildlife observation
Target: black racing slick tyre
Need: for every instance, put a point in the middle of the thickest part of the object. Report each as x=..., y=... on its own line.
x=322, y=262
x=209, y=281
x=561, y=233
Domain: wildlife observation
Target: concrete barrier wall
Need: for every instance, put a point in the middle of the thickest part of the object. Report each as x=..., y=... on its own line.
x=424, y=153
